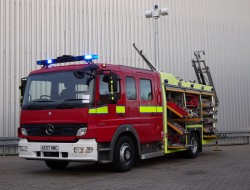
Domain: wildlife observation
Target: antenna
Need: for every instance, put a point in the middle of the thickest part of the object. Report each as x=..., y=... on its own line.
x=144, y=58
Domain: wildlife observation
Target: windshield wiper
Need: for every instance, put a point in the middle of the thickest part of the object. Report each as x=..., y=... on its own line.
x=65, y=102
x=34, y=104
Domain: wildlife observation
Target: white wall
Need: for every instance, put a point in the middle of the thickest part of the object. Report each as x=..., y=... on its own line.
x=39, y=29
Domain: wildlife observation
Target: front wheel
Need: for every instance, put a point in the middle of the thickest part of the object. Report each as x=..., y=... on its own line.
x=56, y=165
x=124, y=154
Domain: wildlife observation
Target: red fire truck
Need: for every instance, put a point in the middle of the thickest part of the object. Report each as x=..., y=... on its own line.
x=112, y=113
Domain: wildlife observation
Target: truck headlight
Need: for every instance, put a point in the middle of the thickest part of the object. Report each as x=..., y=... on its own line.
x=81, y=131
x=24, y=132
x=23, y=148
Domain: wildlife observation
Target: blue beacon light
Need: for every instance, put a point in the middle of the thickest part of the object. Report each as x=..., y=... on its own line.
x=90, y=57
x=49, y=61
x=67, y=58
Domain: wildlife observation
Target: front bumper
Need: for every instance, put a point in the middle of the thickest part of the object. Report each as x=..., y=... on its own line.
x=66, y=151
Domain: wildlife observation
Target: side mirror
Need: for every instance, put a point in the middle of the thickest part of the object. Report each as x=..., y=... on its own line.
x=22, y=88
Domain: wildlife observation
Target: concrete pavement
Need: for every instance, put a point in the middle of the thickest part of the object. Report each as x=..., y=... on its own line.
x=226, y=169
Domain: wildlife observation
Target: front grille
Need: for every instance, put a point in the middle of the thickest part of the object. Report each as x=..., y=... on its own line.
x=58, y=129
x=52, y=154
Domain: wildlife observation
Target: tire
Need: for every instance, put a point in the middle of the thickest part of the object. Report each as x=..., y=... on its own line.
x=193, y=151
x=56, y=165
x=124, y=154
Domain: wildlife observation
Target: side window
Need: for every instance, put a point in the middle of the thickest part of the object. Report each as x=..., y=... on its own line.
x=104, y=87
x=130, y=88
x=104, y=90
x=146, y=89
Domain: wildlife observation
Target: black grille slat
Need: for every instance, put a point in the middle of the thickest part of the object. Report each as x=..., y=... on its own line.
x=59, y=129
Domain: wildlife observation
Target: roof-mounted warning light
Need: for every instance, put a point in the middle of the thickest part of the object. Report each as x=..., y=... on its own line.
x=68, y=58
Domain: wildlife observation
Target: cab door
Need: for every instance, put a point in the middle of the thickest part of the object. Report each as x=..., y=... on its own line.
x=109, y=114
x=132, y=103
x=149, y=115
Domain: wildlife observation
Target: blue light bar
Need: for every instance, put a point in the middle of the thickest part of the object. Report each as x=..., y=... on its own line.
x=91, y=57
x=68, y=58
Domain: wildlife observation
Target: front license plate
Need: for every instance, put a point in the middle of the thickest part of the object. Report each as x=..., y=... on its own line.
x=49, y=148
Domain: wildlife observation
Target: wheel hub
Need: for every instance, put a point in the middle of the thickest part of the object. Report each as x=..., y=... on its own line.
x=125, y=154
x=195, y=145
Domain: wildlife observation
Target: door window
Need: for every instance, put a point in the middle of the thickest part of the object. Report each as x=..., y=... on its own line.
x=146, y=89
x=104, y=90
x=130, y=88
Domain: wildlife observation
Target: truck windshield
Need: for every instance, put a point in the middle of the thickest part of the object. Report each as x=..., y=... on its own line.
x=58, y=90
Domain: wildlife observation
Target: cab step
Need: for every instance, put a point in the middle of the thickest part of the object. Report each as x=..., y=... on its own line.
x=152, y=154
x=104, y=161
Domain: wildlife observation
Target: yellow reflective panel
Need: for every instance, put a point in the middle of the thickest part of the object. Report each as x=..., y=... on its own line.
x=92, y=111
x=120, y=109
x=151, y=109
x=100, y=110
x=103, y=109
x=147, y=109
x=159, y=109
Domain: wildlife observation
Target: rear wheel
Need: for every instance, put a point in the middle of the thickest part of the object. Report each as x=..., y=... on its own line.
x=124, y=154
x=56, y=165
x=193, y=151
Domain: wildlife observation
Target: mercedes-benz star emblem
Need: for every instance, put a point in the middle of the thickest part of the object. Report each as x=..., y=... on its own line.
x=49, y=129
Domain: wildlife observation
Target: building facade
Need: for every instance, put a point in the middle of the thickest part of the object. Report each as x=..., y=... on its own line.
x=33, y=30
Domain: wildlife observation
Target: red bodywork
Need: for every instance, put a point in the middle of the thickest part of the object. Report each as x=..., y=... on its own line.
x=102, y=127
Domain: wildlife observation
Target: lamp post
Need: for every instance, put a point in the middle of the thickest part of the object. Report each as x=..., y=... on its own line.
x=156, y=13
